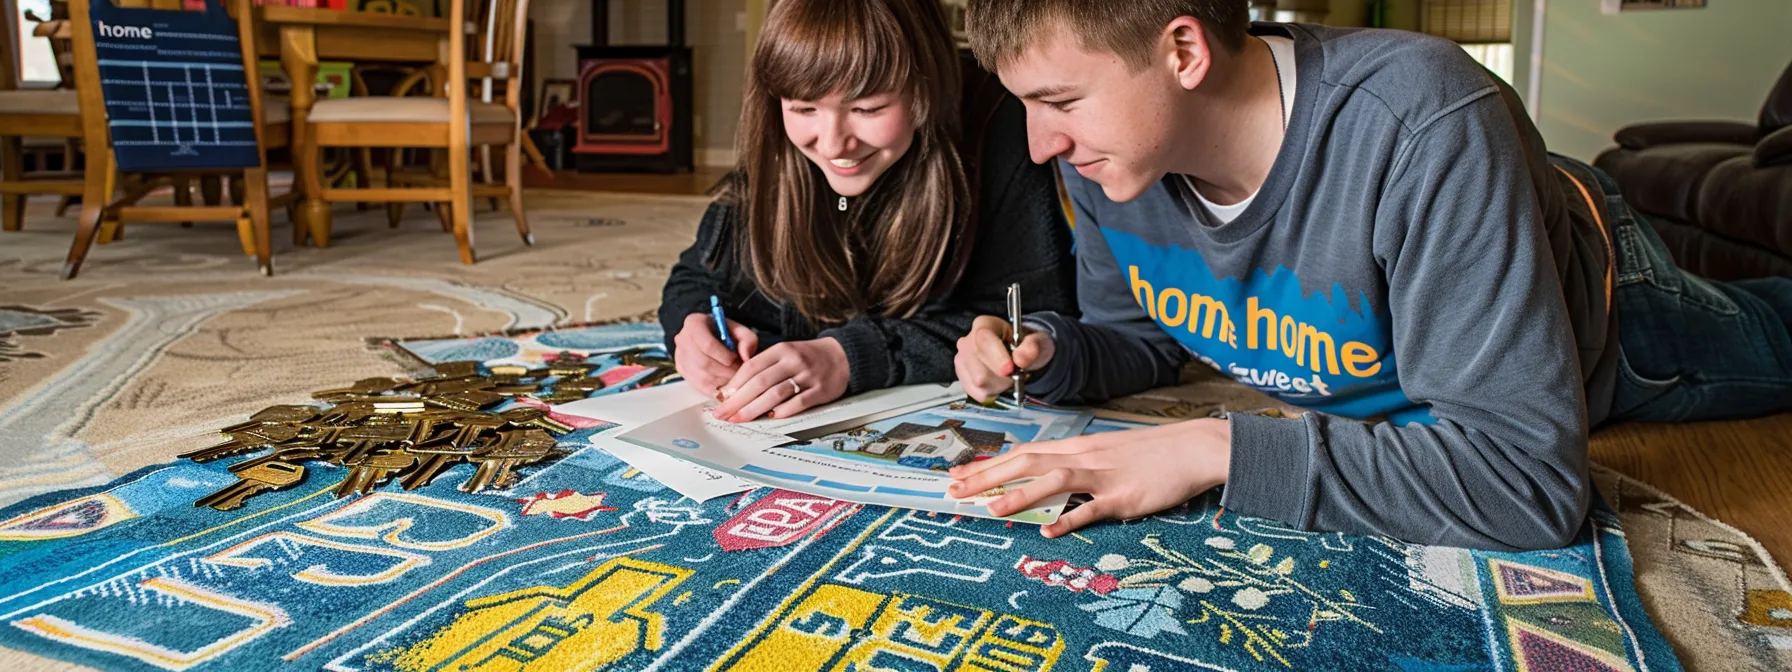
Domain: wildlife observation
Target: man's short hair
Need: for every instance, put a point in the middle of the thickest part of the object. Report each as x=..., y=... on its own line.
x=1003, y=29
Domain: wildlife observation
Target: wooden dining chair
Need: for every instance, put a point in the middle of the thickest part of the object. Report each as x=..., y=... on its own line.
x=30, y=113
x=456, y=122
x=110, y=198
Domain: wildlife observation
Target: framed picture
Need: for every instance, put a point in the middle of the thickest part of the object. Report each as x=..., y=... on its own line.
x=1615, y=6
x=555, y=94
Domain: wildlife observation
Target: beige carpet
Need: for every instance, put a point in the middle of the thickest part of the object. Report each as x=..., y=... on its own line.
x=170, y=333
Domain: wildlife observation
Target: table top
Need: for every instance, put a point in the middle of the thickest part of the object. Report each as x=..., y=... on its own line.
x=320, y=17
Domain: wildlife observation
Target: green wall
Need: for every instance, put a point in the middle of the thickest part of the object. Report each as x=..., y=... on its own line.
x=1605, y=71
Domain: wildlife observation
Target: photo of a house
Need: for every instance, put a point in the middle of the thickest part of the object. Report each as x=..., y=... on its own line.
x=941, y=446
x=940, y=438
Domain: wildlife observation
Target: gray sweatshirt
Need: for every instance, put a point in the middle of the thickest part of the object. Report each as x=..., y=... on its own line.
x=1415, y=269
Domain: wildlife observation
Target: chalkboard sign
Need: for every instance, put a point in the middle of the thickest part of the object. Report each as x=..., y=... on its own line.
x=174, y=88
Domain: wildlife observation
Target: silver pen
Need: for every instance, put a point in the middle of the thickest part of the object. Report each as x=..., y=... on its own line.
x=1019, y=377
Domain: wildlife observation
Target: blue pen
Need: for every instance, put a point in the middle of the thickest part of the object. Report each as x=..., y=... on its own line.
x=715, y=311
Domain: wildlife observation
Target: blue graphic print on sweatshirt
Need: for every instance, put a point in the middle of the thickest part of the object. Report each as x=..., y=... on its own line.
x=1318, y=351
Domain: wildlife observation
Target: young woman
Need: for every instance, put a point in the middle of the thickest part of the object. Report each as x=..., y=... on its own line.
x=883, y=199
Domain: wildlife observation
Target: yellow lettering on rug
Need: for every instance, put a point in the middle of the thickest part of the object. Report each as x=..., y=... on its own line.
x=597, y=620
x=897, y=632
x=814, y=632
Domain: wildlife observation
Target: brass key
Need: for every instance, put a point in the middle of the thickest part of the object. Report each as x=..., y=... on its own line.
x=346, y=414
x=373, y=471
x=362, y=388
x=468, y=400
x=262, y=478
x=456, y=369
x=659, y=375
x=513, y=448
x=246, y=441
x=530, y=416
x=358, y=442
x=287, y=455
x=276, y=415
x=568, y=367
x=580, y=384
x=432, y=460
x=471, y=425
x=434, y=388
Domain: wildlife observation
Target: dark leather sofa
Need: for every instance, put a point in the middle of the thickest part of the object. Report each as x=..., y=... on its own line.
x=1719, y=193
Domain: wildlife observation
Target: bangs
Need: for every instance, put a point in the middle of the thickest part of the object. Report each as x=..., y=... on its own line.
x=822, y=48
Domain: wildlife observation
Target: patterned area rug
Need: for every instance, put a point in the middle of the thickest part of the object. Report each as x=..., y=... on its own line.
x=169, y=334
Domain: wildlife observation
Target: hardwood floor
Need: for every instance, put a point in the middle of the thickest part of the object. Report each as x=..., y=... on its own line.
x=1737, y=472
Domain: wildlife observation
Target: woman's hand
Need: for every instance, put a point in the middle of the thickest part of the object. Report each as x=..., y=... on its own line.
x=703, y=359
x=1128, y=474
x=785, y=380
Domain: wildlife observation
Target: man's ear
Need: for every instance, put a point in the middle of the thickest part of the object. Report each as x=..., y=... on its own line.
x=1189, y=55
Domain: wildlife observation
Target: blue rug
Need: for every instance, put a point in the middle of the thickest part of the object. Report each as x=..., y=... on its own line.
x=588, y=564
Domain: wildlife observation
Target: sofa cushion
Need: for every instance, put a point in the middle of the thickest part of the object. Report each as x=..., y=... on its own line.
x=1665, y=180
x=1715, y=257
x=1643, y=136
x=1775, y=149
x=1776, y=113
x=1748, y=204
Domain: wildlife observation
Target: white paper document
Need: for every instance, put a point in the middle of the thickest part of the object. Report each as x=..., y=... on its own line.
x=892, y=449
x=689, y=479
x=631, y=409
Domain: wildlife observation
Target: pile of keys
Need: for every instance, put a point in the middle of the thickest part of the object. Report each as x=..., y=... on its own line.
x=382, y=429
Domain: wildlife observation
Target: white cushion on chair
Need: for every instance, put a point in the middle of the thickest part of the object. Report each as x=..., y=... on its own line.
x=40, y=101
x=390, y=109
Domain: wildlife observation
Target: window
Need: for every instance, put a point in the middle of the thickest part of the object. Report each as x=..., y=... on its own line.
x=36, y=62
x=1468, y=21
x=1482, y=27
x=1496, y=57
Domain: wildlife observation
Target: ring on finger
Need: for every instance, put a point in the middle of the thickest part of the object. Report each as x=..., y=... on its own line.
x=795, y=389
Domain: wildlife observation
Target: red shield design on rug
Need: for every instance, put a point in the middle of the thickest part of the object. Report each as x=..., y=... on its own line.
x=777, y=519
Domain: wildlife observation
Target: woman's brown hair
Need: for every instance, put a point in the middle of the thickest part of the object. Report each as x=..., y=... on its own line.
x=904, y=240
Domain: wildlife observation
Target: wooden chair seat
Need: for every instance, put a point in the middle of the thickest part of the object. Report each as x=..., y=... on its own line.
x=449, y=120
x=379, y=109
x=41, y=101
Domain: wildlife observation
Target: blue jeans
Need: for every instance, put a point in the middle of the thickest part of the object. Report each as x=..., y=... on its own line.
x=1691, y=348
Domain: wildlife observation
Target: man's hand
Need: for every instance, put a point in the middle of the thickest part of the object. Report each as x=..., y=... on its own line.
x=1128, y=474
x=763, y=386
x=703, y=359
x=984, y=363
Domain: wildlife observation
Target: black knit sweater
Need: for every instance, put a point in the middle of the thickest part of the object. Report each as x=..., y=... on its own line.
x=1020, y=233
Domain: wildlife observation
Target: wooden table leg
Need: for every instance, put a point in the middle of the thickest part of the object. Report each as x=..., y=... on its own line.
x=298, y=54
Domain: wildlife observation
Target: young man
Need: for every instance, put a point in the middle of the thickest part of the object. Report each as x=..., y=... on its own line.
x=1361, y=222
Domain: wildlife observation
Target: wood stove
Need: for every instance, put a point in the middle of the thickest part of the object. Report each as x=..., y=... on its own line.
x=634, y=100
